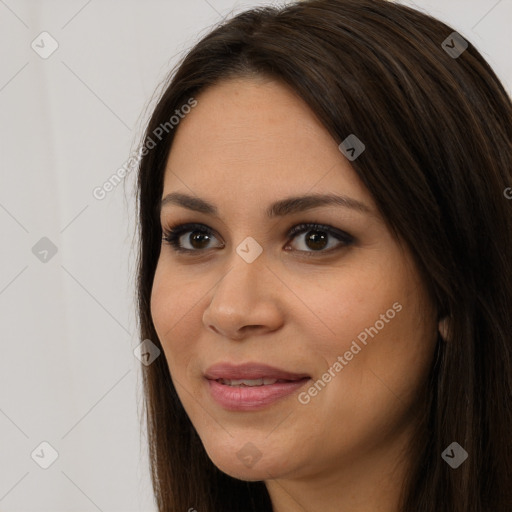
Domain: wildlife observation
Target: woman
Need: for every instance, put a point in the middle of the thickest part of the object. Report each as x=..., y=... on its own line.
x=325, y=264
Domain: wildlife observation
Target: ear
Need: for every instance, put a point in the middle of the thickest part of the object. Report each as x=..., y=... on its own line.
x=444, y=328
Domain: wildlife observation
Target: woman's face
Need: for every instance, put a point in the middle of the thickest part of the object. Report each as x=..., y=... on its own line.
x=340, y=308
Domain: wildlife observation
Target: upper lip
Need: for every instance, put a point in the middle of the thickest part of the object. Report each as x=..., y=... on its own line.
x=250, y=371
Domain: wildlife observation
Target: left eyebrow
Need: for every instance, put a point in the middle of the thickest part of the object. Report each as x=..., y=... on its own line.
x=280, y=208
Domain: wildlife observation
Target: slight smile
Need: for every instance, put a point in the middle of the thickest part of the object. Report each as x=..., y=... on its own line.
x=251, y=386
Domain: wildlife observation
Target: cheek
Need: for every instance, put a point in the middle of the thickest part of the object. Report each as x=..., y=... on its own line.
x=377, y=319
x=344, y=305
x=385, y=359
x=173, y=306
x=162, y=304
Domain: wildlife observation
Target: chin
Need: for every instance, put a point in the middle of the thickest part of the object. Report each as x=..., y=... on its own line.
x=247, y=475
x=248, y=463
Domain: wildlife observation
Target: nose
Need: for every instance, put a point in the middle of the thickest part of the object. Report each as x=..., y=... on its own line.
x=245, y=301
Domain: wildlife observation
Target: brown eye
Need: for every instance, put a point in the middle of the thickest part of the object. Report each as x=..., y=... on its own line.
x=317, y=237
x=195, y=238
x=199, y=236
x=198, y=240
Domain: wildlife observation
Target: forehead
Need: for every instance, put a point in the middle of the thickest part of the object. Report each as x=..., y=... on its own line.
x=256, y=139
x=247, y=115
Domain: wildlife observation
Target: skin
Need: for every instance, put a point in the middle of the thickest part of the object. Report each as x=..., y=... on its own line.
x=248, y=143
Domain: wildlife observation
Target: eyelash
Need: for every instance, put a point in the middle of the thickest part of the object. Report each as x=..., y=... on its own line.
x=172, y=235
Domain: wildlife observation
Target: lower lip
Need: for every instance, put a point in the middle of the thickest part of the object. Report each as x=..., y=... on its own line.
x=250, y=398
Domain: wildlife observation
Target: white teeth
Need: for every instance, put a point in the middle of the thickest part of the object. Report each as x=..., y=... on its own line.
x=248, y=382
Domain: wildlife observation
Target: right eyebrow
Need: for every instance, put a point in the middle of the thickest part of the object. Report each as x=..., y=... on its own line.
x=281, y=208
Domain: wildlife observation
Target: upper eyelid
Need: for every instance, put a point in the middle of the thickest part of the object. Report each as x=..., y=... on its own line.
x=299, y=228
x=190, y=226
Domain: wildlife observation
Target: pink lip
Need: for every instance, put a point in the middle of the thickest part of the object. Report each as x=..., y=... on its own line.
x=255, y=397
x=250, y=371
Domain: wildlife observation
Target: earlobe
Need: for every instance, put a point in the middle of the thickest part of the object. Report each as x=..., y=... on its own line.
x=444, y=328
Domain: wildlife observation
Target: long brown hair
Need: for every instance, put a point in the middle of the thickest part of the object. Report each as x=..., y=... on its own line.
x=437, y=127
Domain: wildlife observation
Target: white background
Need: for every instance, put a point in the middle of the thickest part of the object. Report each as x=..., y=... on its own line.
x=68, y=375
